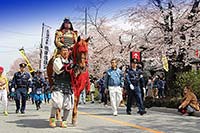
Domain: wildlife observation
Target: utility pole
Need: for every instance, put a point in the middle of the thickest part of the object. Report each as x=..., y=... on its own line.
x=86, y=21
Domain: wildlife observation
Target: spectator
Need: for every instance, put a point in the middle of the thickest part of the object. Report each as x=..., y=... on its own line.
x=92, y=90
x=103, y=93
x=155, y=87
x=114, y=83
x=149, y=87
x=161, y=87
x=82, y=99
x=189, y=102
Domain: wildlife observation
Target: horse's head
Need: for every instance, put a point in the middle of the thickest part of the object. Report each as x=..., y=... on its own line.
x=80, y=52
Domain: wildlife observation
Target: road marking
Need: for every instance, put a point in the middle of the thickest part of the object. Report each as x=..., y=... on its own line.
x=122, y=123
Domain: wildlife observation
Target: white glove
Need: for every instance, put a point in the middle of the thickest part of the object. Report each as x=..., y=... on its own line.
x=29, y=90
x=132, y=87
x=13, y=90
x=144, y=90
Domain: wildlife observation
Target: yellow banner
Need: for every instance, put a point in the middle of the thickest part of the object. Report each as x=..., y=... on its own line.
x=165, y=63
x=30, y=68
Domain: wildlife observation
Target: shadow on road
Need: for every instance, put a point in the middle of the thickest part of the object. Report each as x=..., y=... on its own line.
x=31, y=123
x=111, y=129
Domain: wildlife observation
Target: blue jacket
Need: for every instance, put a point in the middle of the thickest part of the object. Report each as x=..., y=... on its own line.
x=134, y=77
x=38, y=83
x=161, y=84
x=101, y=85
x=114, y=77
x=21, y=80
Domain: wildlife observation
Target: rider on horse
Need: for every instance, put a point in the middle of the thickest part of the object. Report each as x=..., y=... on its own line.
x=66, y=35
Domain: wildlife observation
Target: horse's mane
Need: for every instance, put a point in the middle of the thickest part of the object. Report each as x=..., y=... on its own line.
x=81, y=47
x=80, y=56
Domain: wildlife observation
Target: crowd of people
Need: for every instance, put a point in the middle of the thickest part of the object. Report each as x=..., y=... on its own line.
x=115, y=87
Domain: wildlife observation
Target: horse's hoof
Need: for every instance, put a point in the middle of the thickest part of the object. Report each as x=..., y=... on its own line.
x=74, y=123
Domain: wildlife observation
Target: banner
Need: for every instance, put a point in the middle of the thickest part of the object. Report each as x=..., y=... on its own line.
x=165, y=63
x=136, y=55
x=44, y=47
x=30, y=68
x=197, y=53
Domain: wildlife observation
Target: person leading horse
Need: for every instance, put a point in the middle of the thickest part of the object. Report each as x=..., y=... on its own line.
x=65, y=36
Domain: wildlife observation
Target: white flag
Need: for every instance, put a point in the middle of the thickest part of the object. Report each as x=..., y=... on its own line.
x=45, y=45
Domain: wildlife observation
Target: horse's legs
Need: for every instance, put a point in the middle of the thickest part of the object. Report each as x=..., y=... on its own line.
x=58, y=114
x=75, y=110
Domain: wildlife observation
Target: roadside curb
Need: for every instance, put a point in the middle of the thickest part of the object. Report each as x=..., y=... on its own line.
x=170, y=110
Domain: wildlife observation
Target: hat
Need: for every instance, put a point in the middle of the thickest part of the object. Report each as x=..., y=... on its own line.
x=38, y=71
x=134, y=60
x=66, y=20
x=1, y=69
x=22, y=65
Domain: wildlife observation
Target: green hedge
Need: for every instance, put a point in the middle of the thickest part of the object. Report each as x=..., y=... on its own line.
x=164, y=102
x=189, y=78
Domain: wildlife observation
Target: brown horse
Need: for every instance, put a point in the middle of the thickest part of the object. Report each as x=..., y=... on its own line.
x=79, y=74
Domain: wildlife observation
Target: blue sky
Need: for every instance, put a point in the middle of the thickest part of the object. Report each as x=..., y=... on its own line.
x=21, y=21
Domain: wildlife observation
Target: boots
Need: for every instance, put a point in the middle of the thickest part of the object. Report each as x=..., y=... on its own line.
x=52, y=122
x=63, y=124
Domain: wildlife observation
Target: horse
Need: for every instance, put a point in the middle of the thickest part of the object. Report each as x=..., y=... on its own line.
x=79, y=73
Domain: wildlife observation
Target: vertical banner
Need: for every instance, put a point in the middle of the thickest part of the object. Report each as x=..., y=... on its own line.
x=135, y=55
x=165, y=63
x=44, y=47
x=197, y=53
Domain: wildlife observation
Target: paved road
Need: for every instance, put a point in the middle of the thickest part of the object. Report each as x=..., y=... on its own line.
x=97, y=118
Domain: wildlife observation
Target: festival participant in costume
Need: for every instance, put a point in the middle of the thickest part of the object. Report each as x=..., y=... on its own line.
x=62, y=95
x=47, y=91
x=65, y=36
x=4, y=91
x=38, y=88
x=21, y=84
